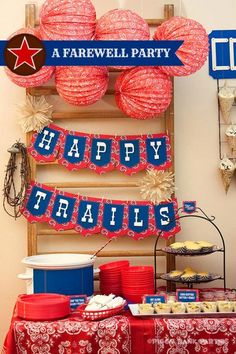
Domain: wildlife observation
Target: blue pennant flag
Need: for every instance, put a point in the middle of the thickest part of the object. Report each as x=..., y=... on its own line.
x=101, y=151
x=113, y=215
x=38, y=201
x=138, y=218
x=88, y=214
x=63, y=209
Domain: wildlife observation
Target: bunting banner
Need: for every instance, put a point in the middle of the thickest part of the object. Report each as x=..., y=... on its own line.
x=87, y=215
x=101, y=153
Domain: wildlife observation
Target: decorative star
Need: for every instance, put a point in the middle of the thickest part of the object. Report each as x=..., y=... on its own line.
x=24, y=54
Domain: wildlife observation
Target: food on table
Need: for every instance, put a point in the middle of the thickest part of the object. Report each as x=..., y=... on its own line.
x=227, y=169
x=177, y=247
x=146, y=309
x=104, y=302
x=225, y=306
x=162, y=308
x=209, y=306
x=178, y=307
x=203, y=276
x=193, y=307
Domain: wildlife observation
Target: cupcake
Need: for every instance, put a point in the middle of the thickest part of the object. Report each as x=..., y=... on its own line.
x=162, y=308
x=192, y=247
x=177, y=247
x=175, y=274
x=225, y=306
x=178, y=307
x=188, y=277
x=209, y=307
x=203, y=276
x=145, y=309
x=193, y=307
x=206, y=246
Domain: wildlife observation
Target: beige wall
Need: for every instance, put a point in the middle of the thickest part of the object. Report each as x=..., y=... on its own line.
x=197, y=177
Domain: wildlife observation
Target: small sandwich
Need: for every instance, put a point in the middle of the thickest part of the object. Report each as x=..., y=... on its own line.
x=145, y=309
x=162, y=308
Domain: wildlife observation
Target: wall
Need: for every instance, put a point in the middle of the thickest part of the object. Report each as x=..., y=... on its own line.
x=196, y=127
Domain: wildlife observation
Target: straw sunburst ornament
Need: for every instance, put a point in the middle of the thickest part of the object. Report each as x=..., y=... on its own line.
x=157, y=186
x=36, y=113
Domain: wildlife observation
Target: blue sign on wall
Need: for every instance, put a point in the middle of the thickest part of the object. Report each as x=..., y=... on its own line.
x=222, y=56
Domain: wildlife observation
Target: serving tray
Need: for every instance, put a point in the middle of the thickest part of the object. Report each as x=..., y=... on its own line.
x=135, y=312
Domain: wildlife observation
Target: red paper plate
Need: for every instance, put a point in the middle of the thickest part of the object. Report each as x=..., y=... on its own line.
x=42, y=307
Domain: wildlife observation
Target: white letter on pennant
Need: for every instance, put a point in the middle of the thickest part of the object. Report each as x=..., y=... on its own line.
x=46, y=139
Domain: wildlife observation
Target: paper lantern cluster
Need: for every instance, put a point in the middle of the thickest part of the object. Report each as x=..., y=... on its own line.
x=37, y=79
x=143, y=92
x=140, y=93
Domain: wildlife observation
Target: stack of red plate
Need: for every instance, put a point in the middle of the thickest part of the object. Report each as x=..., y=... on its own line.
x=136, y=282
x=45, y=307
x=110, y=277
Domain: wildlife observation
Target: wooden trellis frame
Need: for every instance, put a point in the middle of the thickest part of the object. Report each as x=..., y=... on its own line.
x=168, y=116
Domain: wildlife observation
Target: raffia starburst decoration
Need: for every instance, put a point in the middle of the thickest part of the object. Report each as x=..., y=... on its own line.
x=36, y=113
x=157, y=186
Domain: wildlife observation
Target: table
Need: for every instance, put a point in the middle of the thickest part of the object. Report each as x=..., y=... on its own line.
x=122, y=334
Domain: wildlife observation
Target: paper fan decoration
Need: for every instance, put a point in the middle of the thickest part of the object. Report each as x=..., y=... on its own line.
x=227, y=169
x=157, y=186
x=226, y=100
x=81, y=85
x=120, y=24
x=67, y=20
x=36, y=113
x=143, y=92
x=37, y=79
x=193, y=52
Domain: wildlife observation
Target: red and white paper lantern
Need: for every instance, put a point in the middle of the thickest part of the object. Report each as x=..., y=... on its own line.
x=67, y=20
x=37, y=79
x=143, y=92
x=122, y=24
x=81, y=85
x=193, y=52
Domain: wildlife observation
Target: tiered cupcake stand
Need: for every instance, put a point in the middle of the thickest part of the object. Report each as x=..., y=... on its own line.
x=199, y=214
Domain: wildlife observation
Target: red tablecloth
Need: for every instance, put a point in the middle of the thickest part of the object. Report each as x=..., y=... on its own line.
x=122, y=334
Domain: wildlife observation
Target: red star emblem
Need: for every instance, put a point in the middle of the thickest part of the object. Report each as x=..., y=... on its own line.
x=24, y=54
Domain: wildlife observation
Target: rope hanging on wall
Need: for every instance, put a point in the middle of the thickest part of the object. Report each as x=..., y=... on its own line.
x=12, y=198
